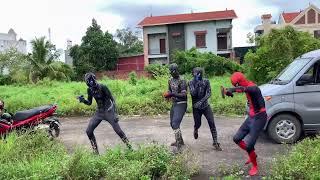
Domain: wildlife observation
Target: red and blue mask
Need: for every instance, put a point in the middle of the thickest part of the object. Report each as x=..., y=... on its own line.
x=238, y=79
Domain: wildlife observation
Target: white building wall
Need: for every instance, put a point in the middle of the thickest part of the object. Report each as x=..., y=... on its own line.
x=9, y=41
x=211, y=36
x=154, y=43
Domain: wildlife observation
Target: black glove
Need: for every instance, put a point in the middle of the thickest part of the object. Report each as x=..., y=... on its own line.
x=229, y=93
x=81, y=98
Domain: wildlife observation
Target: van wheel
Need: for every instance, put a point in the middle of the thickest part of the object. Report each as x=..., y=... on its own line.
x=285, y=128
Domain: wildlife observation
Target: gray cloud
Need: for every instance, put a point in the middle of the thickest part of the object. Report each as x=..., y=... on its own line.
x=133, y=13
x=290, y=5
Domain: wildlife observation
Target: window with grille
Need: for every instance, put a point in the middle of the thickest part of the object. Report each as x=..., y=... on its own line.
x=200, y=40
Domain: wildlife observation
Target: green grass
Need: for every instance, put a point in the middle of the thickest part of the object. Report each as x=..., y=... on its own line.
x=303, y=162
x=34, y=156
x=144, y=98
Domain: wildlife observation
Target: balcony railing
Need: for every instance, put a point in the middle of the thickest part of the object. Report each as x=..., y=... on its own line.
x=156, y=51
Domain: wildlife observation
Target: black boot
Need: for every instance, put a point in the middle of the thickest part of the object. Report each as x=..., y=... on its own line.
x=179, y=140
x=94, y=146
x=195, y=134
x=126, y=141
x=215, y=143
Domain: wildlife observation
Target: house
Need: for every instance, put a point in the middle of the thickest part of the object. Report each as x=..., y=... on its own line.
x=307, y=20
x=206, y=31
x=9, y=40
x=67, y=58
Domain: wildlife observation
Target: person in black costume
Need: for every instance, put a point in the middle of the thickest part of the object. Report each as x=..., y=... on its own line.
x=200, y=91
x=106, y=110
x=178, y=94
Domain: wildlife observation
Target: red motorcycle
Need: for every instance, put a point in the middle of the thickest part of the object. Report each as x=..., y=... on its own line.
x=37, y=118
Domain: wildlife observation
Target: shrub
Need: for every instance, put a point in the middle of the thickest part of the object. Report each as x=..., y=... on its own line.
x=301, y=163
x=276, y=50
x=133, y=78
x=158, y=70
x=34, y=156
x=5, y=80
x=213, y=65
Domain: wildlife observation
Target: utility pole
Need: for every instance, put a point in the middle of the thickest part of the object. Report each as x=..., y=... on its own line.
x=49, y=32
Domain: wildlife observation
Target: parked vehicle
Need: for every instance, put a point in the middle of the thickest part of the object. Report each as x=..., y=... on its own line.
x=37, y=118
x=293, y=99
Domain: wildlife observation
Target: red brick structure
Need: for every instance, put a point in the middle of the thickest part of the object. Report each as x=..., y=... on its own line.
x=131, y=63
x=126, y=65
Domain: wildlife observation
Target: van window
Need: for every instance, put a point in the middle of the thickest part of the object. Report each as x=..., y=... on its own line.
x=291, y=71
x=318, y=72
x=314, y=73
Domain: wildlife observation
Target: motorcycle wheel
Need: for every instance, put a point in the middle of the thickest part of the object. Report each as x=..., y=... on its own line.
x=54, y=129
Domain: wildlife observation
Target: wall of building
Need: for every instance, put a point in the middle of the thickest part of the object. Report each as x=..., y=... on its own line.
x=9, y=41
x=152, y=30
x=154, y=43
x=176, y=38
x=211, y=36
x=131, y=63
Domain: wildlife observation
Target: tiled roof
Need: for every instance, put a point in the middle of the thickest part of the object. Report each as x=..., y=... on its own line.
x=185, y=18
x=288, y=17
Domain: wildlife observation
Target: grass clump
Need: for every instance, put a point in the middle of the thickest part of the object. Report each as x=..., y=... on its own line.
x=34, y=156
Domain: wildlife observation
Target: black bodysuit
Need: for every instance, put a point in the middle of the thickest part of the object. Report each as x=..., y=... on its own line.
x=200, y=91
x=178, y=88
x=106, y=110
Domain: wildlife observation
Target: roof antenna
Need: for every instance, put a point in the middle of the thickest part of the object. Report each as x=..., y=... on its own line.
x=191, y=10
x=151, y=11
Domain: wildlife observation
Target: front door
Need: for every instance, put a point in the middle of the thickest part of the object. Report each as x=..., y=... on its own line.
x=162, y=46
x=307, y=98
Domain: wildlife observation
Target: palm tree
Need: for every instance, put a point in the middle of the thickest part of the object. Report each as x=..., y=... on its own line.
x=42, y=61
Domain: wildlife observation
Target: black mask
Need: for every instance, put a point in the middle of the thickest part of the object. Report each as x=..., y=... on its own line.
x=174, y=70
x=90, y=79
x=197, y=73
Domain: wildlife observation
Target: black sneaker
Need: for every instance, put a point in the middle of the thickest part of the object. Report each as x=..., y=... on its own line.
x=217, y=147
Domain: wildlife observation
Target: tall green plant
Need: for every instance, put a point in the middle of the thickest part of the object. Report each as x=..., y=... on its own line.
x=213, y=65
x=276, y=51
x=97, y=52
x=42, y=62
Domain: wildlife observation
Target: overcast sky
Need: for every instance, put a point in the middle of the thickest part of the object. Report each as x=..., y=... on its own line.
x=68, y=19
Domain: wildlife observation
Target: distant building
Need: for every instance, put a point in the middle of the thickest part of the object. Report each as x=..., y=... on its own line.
x=307, y=20
x=9, y=41
x=206, y=31
x=67, y=57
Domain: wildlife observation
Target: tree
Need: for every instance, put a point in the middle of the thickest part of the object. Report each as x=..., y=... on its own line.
x=42, y=61
x=97, y=51
x=128, y=42
x=81, y=62
x=13, y=67
x=276, y=50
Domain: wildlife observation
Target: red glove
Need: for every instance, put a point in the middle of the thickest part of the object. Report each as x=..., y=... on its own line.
x=167, y=95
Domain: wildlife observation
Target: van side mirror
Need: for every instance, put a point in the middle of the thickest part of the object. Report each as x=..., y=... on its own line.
x=305, y=79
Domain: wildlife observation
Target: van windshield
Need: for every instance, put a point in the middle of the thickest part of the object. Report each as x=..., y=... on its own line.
x=290, y=71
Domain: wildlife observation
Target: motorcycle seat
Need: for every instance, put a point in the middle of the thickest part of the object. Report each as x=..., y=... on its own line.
x=22, y=115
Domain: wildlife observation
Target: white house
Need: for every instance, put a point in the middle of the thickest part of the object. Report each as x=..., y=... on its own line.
x=206, y=31
x=307, y=20
x=9, y=40
x=68, y=59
